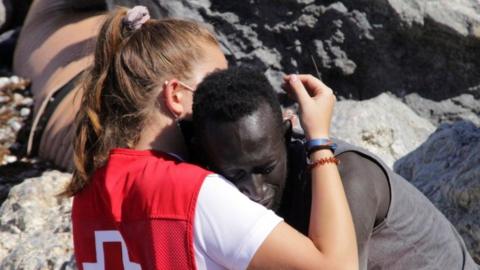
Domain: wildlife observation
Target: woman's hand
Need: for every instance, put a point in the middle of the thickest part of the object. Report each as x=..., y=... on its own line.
x=316, y=101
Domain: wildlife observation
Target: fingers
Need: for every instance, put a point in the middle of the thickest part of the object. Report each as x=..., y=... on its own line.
x=313, y=86
x=316, y=102
x=297, y=90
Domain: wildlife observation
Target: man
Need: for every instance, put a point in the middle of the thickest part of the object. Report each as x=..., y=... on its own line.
x=240, y=133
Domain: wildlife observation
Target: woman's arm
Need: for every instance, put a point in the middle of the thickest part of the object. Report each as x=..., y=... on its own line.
x=331, y=243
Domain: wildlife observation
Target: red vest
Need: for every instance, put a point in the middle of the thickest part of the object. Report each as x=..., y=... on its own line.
x=137, y=213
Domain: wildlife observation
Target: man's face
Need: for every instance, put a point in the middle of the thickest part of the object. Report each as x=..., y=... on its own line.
x=251, y=153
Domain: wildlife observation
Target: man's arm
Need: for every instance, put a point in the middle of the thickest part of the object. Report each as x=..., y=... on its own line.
x=368, y=195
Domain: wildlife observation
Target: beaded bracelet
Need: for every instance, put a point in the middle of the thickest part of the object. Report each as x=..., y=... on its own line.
x=323, y=161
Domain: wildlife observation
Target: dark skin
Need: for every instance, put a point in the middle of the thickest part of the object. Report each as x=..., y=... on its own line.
x=251, y=152
x=254, y=160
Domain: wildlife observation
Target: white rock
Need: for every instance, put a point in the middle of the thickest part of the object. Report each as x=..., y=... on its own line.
x=4, y=134
x=4, y=81
x=35, y=225
x=15, y=79
x=4, y=99
x=9, y=159
x=460, y=15
x=17, y=98
x=27, y=101
x=383, y=125
x=14, y=124
x=24, y=112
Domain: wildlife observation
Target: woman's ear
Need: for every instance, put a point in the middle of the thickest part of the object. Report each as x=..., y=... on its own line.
x=172, y=97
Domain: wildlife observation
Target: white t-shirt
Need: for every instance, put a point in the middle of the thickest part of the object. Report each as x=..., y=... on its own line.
x=228, y=226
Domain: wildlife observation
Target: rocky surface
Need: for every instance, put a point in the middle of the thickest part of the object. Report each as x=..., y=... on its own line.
x=35, y=225
x=446, y=169
x=424, y=53
x=361, y=47
x=463, y=107
x=383, y=125
x=15, y=107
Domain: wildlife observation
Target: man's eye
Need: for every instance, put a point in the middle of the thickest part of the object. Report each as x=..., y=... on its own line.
x=236, y=176
x=267, y=170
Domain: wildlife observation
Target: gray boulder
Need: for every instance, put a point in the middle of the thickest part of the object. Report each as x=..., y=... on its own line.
x=361, y=47
x=383, y=125
x=35, y=225
x=454, y=15
x=446, y=169
x=463, y=107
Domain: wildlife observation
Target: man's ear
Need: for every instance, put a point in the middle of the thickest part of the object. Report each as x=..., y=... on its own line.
x=287, y=129
x=173, y=98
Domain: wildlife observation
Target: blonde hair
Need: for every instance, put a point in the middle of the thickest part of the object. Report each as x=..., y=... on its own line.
x=121, y=87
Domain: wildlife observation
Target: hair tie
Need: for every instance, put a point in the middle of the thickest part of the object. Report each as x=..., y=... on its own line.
x=136, y=17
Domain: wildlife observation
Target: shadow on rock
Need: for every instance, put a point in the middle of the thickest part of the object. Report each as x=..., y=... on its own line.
x=446, y=169
x=15, y=173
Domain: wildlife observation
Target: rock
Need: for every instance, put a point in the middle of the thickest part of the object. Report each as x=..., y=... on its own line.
x=17, y=98
x=15, y=109
x=446, y=169
x=383, y=125
x=4, y=81
x=27, y=101
x=3, y=14
x=4, y=99
x=463, y=107
x=9, y=159
x=450, y=14
x=12, y=174
x=14, y=124
x=15, y=79
x=8, y=40
x=35, y=225
x=362, y=47
x=24, y=112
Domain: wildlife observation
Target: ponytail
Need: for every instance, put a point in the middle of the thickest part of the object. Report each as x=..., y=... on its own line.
x=89, y=129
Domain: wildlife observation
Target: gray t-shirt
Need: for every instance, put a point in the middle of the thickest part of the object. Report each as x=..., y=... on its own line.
x=399, y=230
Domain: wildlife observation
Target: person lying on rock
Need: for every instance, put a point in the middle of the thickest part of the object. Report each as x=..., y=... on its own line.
x=239, y=133
x=53, y=50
